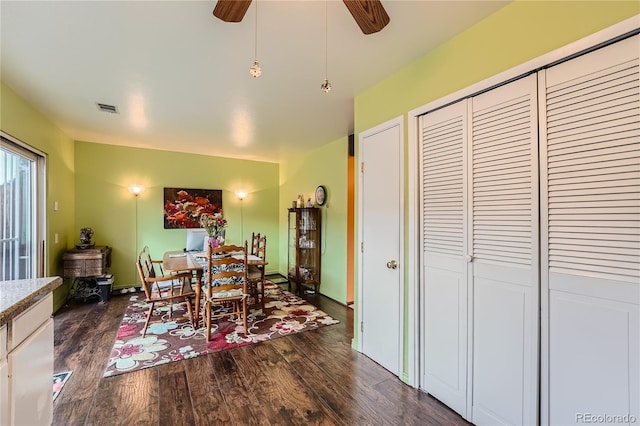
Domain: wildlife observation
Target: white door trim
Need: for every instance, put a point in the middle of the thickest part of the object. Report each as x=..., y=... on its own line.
x=414, y=244
x=399, y=122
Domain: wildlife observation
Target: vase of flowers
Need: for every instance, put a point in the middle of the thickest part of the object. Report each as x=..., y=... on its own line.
x=213, y=224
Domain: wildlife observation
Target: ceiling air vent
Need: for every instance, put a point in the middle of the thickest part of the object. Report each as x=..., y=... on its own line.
x=107, y=108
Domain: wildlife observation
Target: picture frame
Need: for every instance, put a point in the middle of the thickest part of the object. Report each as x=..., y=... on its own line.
x=183, y=206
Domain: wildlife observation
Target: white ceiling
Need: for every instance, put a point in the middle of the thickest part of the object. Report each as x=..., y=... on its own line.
x=180, y=79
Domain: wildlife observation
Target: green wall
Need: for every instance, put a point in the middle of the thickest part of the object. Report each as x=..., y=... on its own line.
x=301, y=175
x=20, y=120
x=104, y=203
x=517, y=33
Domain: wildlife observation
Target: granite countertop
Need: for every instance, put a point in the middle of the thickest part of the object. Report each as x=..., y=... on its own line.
x=17, y=296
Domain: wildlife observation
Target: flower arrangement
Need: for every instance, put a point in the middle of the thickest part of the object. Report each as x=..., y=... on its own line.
x=213, y=223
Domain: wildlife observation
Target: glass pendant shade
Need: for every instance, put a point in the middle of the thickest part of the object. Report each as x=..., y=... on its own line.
x=326, y=86
x=255, y=69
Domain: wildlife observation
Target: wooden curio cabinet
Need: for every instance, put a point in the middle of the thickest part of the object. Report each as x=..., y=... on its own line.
x=304, y=248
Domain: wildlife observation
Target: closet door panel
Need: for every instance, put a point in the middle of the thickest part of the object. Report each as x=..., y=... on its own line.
x=498, y=378
x=445, y=311
x=588, y=332
x=590, y=145
x=444, y=273
x=504, y=241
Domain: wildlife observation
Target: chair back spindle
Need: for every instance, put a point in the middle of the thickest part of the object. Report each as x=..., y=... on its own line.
x=226, y=283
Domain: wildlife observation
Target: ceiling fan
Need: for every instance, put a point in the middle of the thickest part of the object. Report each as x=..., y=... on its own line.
x=368, y=14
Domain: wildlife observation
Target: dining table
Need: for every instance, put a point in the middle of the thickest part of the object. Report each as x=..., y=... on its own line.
x=184, y=261
x=174, y=262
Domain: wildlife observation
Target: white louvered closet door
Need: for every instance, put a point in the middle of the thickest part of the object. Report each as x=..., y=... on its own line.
x=590, y=152
x=504, y=193
x=444, y=274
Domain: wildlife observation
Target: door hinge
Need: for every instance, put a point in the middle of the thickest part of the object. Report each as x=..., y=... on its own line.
x=362, y=167
x=361, y=327
x=361, y=247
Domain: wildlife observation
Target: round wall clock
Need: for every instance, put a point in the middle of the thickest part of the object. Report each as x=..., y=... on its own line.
x=321, y=195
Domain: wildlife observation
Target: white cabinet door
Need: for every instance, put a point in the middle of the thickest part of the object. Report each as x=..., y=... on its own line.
x=4, y=378
x=31, y=369
x=4, y=392
x=3, y=343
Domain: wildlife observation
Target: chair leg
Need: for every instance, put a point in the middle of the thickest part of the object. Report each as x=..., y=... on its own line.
x=190, y=310
x=146, y=324
x=207, y=306
x=262, y=294
x=207, y=316
x=244, y=314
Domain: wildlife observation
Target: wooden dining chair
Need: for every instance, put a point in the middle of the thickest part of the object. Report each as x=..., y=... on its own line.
x=152, y=267
x=255, y=242
x=226, y=284
x=256, y=273
x=163, y=289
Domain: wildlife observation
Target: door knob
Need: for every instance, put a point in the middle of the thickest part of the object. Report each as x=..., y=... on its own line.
x=392, y=264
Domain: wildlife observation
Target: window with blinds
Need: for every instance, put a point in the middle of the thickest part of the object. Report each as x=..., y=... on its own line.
x=594, y=174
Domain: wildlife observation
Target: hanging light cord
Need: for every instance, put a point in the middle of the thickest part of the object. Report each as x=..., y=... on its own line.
x=326, y=37
x=326, y=86
x=255, y=70
x=255, y=53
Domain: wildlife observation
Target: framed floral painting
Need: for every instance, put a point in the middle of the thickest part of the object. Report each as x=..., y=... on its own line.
x=183, y=206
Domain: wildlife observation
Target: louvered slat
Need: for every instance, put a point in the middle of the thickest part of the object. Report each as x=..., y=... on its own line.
x=443, y=187
x=593, y=138
x=502, y=182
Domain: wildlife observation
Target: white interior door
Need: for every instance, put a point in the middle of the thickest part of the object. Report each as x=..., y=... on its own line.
x=505, y=288
x=444, y=277
x=381, y=198
x=591, y=220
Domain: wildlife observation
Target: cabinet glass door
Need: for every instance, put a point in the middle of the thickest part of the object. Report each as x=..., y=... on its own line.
x=304, y=247
x=292, y=246
x=307, y=228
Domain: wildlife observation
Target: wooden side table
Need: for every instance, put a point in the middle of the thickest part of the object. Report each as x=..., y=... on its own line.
x=85, y=266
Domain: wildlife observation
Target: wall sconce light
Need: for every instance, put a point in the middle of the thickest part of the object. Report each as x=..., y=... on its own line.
x=136, y=189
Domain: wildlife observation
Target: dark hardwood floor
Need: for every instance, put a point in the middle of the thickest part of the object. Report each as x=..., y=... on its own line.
x=312, y=377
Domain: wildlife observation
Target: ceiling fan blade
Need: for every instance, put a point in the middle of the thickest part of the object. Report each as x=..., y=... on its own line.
x=231, y=10
x=369, y=14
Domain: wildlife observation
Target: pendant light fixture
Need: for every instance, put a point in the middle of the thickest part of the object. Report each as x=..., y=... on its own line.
x=326, y=86
x=255, y=69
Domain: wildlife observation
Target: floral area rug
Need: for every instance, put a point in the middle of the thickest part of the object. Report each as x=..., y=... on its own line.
x=176, y=339
x=59, y=379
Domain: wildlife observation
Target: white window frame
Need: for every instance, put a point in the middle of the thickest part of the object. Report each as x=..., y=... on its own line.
x=38, y=251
